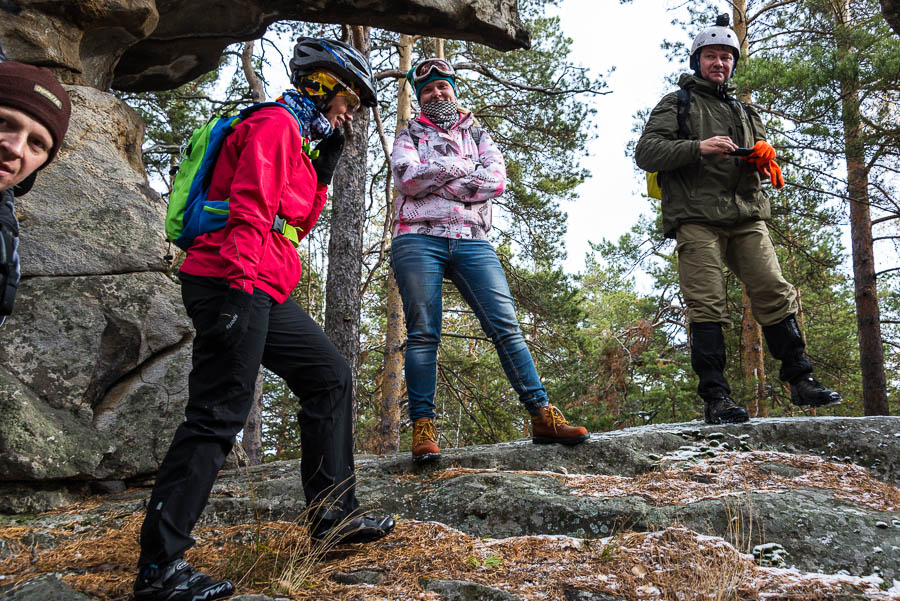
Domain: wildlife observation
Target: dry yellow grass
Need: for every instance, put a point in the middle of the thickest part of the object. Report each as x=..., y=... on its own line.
x=674, y=563
x=677, y=564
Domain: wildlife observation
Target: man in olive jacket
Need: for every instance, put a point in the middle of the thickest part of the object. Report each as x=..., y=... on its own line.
x=714, y=206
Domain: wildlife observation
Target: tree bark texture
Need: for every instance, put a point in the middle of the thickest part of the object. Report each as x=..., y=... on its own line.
x=754, y=366
x=395, y=333
x=868, y=315
x=257, y=90
x=342, y=287
x=251, y=440
x=751, y=332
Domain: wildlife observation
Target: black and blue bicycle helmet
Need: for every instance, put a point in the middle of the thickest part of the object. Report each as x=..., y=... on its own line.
x=345, y=61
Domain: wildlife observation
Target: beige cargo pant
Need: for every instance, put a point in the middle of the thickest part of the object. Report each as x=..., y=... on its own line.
x=746, y=250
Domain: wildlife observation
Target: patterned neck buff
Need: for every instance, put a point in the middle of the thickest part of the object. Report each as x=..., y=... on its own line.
x=443, y=114
x=315, y=125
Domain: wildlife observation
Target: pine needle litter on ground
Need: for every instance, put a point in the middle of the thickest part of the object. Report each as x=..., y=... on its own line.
x=275, y=558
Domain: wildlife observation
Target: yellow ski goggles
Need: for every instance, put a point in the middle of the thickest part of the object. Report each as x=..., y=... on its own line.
x=321, y=83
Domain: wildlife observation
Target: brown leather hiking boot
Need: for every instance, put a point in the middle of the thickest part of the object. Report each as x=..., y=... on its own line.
x=550, y=426
x=424, y=443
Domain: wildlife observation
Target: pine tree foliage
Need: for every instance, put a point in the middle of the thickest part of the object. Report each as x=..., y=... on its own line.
x=610, y=353
x=806, y=215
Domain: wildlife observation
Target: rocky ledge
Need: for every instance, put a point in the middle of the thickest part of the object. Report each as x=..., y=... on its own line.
x=776, y=507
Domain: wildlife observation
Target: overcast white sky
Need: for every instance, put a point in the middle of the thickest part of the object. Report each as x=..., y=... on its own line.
x=607, y=33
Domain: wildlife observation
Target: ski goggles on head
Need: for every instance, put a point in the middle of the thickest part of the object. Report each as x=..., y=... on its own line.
x=429, y=67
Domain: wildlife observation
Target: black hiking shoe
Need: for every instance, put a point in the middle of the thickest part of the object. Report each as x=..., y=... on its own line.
x=723, y=410
x=363, y=529
x=806, y=392
x=177, y=581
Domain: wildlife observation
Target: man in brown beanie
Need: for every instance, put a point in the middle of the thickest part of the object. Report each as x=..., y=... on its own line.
x=34, y=117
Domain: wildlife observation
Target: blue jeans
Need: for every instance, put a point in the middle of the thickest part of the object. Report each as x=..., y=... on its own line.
x=420, y=264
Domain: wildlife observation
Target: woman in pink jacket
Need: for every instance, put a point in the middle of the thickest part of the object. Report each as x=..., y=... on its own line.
x=447, y=170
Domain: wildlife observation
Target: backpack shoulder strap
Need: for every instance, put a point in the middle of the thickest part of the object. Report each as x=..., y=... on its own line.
x=476, y=133
x=684, y=111
x=260, y=105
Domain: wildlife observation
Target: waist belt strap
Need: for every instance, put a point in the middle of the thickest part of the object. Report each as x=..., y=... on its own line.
x=287, y=230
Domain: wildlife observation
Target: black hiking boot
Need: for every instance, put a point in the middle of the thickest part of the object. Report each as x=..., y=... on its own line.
x=807, y=392
x=362, y=529
x=723, y=410
x=177, y=581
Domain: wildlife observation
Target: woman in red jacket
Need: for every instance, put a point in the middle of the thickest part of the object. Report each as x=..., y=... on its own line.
x=236, y=283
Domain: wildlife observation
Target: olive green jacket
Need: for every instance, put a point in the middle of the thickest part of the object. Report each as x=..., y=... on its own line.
x=718, y=190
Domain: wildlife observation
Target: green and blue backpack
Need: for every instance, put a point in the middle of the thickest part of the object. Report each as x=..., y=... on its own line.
x=190, y=212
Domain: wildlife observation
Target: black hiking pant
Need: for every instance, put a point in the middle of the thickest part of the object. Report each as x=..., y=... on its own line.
x=288, y=342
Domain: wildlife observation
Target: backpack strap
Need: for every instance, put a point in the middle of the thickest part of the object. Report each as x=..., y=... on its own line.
x=279, y=225
x=684, y=111
x=261, y=105
x=655, y=178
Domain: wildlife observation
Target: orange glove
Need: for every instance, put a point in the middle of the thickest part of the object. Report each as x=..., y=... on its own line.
x=775, y=175
x=773, y=172
x=762, y=150
x=763, y=157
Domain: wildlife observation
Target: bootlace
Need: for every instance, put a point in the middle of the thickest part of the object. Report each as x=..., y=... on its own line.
x=556, y=417
x=425, y=430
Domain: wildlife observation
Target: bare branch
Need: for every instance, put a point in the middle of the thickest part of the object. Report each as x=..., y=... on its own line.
x=257, y=89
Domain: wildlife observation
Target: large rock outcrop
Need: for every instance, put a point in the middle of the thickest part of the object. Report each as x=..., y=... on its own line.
x=94, y=360
x=642, y=513
x=166, y=43
x=95, y=356
x=607, y=485
x=191, y=35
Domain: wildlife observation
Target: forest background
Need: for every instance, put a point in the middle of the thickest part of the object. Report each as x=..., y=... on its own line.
x=609, y=333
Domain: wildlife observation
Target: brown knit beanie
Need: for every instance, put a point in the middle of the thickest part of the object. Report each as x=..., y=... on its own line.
x=35, y=91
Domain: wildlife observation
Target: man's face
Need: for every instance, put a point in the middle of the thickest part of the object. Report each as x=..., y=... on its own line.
x=25, y=144
x=716, y=63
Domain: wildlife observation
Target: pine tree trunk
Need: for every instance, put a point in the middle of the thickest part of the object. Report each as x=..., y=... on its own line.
x=751, y=332
x=348, y=211
x=257, y=90
x=754, y=366
x=868, y=316
x=251, y=440
x=395, y=334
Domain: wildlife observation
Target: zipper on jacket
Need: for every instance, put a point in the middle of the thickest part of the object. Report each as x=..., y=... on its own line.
x=734, y=104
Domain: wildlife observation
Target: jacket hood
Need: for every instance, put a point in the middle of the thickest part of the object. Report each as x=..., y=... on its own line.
x=691, y=82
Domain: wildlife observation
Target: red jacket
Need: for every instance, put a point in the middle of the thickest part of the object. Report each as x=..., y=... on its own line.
x=263, y=170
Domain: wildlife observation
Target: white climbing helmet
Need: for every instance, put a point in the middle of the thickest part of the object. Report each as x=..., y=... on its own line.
x=719, y=35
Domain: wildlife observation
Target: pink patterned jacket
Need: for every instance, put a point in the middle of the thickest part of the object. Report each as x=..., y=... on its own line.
x=446, y=181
